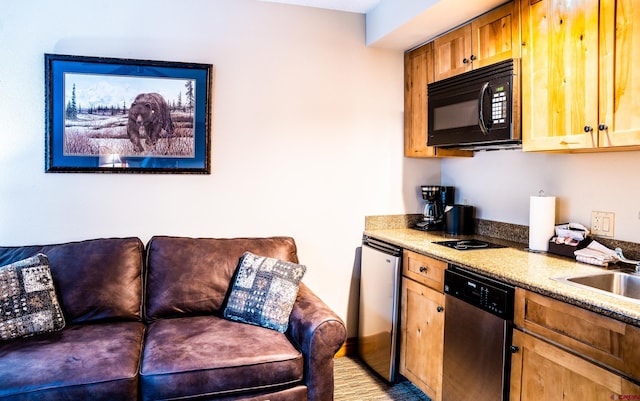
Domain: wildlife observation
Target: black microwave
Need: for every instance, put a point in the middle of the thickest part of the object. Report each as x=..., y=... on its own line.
x=479, y=109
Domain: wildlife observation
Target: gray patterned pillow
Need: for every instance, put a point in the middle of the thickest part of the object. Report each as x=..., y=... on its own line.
x=264, y=291
x=28, y=303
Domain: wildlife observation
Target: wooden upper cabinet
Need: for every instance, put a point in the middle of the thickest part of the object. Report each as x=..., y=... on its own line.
x=418, y=73
x=578, y=75
x=619, y=74
x=453, y=54
x=559, y=74
x=488, y=39
x=496, y=35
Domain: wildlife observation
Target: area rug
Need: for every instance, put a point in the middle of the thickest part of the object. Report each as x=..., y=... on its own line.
x=354, y=381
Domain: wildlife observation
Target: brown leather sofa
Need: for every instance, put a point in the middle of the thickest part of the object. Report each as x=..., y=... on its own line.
x=145, y=323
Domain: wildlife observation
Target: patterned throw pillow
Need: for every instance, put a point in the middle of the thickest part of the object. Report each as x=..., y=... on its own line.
x=264, y=291
x=28, y=303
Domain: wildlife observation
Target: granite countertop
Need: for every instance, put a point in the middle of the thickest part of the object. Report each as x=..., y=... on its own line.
x=515, y=265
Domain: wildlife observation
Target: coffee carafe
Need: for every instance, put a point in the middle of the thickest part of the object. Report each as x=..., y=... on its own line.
x=436, y=198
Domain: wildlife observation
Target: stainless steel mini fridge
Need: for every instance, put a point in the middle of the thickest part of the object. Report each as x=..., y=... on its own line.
x=378, y=335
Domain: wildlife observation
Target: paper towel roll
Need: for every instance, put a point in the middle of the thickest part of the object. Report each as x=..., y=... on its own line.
x=542, y=219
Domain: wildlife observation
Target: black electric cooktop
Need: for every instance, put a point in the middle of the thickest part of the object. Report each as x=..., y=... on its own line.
x=468, y=244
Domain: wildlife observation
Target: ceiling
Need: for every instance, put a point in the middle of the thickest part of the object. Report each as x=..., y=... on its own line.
x=354, y=6
x=394, y=30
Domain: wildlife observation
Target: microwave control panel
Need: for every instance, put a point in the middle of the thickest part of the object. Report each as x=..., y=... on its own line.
x=499, y=105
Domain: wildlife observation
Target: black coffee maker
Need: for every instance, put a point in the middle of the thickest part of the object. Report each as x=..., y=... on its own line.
x=436, y=198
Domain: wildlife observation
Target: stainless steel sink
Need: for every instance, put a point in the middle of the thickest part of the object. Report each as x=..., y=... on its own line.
x=617, y=283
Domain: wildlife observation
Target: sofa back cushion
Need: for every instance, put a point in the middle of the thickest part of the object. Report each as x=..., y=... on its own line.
x=99, y=279
x=192, y=276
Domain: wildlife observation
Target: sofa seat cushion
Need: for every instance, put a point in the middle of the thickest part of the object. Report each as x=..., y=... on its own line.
x=208, y=355
x=81, y=362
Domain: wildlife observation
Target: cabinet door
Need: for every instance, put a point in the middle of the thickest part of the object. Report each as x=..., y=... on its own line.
x=422, y=337
x=559, y=74
x=619, y=73
x=418, y=73
x=607, y=341
x=496, y=35
x=452, y=53
x=543, y=372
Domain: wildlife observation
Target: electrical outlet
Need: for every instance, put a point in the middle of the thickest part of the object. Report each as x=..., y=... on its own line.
x=602, y=223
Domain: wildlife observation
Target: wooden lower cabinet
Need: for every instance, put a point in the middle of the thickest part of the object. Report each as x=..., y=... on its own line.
x=607, y=341
x=422, y=337
x=568, y=353
x=541, y=371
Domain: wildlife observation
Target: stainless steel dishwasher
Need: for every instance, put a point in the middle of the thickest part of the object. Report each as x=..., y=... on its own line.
x=478, y=328
x=379, y=306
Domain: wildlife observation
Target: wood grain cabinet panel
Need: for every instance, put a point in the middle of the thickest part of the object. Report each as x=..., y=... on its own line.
x=453, y=54
x=559, y=74
x=422, y=322
x=541, y=371
x=424, y=269
x=619, y=74
x=496, y=35
x=579, y=76
x=604, y=340
x=488, y=39
x=422, y=337
x=418, y=73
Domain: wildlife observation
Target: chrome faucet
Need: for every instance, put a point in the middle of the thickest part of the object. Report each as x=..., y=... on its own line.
x=625, y=260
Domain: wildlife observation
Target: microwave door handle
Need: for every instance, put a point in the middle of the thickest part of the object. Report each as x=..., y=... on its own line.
x=483, y=125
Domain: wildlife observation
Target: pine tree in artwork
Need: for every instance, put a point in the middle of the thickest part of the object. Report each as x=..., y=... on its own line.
x=190, y=96
x=72, y=110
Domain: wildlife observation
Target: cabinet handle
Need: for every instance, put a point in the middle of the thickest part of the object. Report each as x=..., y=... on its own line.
x=465, y=61
x=472, y=57
x=440, y=308
x=588, y=128
x=603, y=127
x=514, y=349
x=423, y=269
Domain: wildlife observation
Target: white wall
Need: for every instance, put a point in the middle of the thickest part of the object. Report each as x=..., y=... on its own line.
x=500, y=183
x=307, y=130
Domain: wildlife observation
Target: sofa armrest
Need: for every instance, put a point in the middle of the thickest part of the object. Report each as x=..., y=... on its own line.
x=319, y=333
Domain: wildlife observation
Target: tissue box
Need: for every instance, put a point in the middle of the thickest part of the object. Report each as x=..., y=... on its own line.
x=565, y=249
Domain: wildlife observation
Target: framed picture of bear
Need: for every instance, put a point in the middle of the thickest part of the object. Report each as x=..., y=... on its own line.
x=112, y=115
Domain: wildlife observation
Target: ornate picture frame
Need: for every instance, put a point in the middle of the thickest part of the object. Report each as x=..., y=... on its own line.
x=108, y=115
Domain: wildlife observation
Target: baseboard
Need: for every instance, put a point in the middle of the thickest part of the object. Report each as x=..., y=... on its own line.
x=349, y=348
